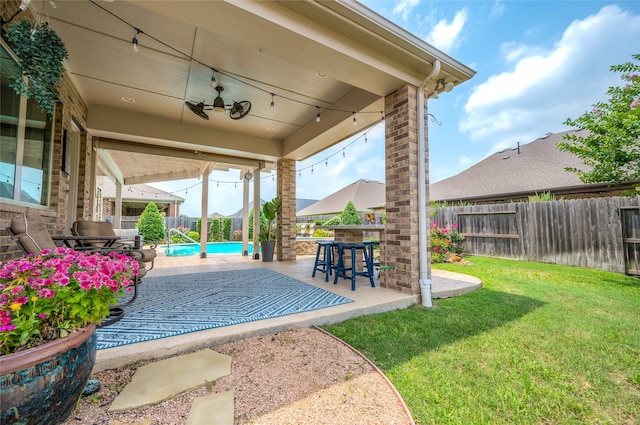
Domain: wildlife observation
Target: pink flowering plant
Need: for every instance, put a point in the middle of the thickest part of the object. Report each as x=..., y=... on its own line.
x=44, y=297
x=445, y=241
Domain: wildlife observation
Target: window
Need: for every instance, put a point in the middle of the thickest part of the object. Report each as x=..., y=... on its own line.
x=25, y=142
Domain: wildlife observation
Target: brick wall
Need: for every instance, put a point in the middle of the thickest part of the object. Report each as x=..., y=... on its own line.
x=400, y=245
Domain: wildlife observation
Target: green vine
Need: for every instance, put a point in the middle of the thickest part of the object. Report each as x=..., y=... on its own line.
x=41, y=53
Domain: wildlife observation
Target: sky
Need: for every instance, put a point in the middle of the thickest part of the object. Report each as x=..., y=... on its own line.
x=537, y=64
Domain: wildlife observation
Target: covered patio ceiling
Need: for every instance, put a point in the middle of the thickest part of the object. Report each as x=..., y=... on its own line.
x=335, y=58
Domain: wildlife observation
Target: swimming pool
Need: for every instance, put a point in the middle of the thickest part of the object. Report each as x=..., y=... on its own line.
x=181, y=249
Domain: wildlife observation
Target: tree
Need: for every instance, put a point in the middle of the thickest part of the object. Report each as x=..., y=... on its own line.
x=612, y=148
x=226, y=229
x=151, y=223
x=350, y=215
x=214, y=230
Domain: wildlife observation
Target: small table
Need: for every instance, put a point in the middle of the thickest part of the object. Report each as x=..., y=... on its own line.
x=107, y=241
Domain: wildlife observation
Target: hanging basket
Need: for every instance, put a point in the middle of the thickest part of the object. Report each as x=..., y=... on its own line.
x=41, y=53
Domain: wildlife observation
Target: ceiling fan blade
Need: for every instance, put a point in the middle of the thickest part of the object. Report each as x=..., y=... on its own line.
x=197, y=109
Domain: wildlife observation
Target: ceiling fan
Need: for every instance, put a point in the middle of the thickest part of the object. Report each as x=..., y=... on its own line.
x=236, y=111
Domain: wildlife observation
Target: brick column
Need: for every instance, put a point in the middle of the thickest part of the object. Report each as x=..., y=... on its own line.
x=286, y=225
x=399, y=248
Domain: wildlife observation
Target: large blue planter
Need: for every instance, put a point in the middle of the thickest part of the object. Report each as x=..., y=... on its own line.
x=41, y=386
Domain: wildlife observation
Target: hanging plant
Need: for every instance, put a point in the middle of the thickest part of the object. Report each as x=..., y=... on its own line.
x=41, y=53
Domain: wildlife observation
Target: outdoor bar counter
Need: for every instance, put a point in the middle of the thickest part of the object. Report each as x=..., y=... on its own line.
x=353, y=233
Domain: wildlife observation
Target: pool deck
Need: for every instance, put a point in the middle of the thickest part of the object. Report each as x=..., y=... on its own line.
x=367, y=300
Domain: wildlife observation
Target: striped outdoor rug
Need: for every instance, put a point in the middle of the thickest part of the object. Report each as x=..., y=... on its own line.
x=174, y=305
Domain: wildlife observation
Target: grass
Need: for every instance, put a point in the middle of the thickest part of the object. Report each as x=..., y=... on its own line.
x=538, y=344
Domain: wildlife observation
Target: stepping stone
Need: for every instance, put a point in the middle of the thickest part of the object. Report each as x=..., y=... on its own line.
x=215, y=409
x=159, y=381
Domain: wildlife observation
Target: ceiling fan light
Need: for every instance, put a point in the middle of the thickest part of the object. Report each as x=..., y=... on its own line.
x=218, y=104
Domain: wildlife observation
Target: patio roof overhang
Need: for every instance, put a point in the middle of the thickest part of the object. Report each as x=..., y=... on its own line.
x=334, y=57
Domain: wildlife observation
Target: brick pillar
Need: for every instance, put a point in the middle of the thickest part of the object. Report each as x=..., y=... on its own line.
x=400, y=245
x=286, y=225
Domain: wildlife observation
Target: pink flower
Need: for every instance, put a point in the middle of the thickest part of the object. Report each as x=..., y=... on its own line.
x=635, y=103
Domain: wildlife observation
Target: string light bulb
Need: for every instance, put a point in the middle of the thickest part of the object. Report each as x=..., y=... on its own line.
x=53, y=4
x=273, y=103
x=134, y=40
x=355, y=122
x=318, y=114
x=214, y=82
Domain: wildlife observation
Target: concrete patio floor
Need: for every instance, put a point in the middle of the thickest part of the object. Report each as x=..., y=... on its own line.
x=367, y=300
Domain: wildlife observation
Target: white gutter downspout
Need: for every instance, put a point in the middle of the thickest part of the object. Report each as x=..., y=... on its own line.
x=425, y=278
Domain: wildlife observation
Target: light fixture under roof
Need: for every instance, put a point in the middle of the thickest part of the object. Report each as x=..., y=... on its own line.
x=128, y=99
x=218, y=102
x=237, y=110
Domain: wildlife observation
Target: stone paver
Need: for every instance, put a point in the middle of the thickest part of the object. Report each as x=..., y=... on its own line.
x=159, y=381
x=215, y=409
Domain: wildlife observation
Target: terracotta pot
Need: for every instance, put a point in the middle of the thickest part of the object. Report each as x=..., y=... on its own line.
x=42, y=385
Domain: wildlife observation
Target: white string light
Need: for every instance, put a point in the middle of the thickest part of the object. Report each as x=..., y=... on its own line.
x=229, y=75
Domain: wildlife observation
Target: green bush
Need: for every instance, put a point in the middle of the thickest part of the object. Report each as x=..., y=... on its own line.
x=263, y=223
x=214, y=230
x=333, y=221
x=177, y=238
x=444, y=242
x=350, y=215
x=226, y=229
x=151, y=223
x=194, y=235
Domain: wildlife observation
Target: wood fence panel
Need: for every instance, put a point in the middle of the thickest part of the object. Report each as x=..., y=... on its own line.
x=578, y=232
x=630, y=218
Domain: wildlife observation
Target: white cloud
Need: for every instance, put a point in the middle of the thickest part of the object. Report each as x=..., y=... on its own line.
x=446, y=35
x=404, y=7
x=497, y=9
x=545, y=87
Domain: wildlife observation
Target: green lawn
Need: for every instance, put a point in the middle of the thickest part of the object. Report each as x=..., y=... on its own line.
x=538, y=344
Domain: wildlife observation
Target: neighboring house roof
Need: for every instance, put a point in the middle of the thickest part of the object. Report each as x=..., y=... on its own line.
x=140, y=192
x=215, y=215
x=304, y=203
x=518, y=172
x=364, y=194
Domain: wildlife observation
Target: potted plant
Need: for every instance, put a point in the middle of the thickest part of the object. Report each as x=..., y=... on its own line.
x=41, y=53
x=267, y=239
x=49, y=307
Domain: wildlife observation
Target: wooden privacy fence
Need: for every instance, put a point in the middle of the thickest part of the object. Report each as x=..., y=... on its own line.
x=599, y=233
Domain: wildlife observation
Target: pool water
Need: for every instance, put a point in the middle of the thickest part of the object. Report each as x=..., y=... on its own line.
x=181, y=249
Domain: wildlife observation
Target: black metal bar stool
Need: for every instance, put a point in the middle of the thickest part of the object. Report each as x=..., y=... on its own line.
x=323, y=259
x=351, y=272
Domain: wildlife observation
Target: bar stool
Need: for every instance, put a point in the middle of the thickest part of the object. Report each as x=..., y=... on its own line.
x=323, y=259
x=351, y=272
x=371, y=245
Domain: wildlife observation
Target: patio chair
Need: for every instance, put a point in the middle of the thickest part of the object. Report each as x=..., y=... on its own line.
x=30, y=233
x=88, y=229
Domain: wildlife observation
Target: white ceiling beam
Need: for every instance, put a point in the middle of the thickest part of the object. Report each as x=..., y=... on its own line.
x=109, y=166
x=176, y=153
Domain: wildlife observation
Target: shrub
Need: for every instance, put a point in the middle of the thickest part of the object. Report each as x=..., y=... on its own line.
x=194, y=235
x=176, y=238
x=214, y=230
x=151, y=223
x=226, y=229
x=333, y=221
x=444, y=242
x=350, y=215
